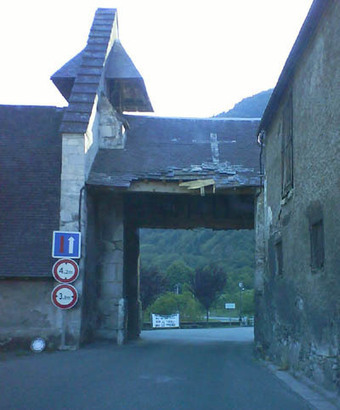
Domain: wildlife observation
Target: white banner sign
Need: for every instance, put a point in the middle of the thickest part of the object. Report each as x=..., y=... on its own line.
x=230, y=306
x=165, y=321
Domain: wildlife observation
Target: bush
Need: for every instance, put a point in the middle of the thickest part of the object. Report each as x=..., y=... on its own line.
x=170, y=303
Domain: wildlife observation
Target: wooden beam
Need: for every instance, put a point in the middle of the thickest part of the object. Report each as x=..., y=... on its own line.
x=197, y=184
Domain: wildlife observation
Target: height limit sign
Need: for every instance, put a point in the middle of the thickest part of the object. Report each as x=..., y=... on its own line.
x=66, y=244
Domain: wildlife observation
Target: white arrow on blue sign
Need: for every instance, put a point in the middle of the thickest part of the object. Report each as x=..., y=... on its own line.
x=66, y=244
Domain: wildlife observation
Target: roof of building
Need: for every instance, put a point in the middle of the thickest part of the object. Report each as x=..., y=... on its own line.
x=78, y=80
x=119, y=64
x=64, y=78
x=125, y=79
x=30, y=161
x=181, y=149
x=86, y=82
x=303, y=40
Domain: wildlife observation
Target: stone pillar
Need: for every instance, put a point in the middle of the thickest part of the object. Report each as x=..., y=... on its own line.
x=131, y=275
x=73, y=219
x=111, y=304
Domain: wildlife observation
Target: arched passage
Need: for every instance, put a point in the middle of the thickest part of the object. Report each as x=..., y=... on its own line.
x=112, y=309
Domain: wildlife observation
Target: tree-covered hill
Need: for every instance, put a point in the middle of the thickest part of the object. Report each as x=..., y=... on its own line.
x=232, y=250
x=250, y=107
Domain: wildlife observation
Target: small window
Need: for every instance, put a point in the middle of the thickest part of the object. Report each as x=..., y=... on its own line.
x=317, y=245
x=287, y=147
x=278, y=258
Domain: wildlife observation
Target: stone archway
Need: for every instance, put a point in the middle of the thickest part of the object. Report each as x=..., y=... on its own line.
x=112, y=308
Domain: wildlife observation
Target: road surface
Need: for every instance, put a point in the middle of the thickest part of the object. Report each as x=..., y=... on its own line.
x=173, y=369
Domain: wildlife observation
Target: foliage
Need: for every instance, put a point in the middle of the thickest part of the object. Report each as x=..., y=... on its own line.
x=152, y=284
x=248, y=302
x=207, y=282
x=250, y=107
x=167, y=251
x=234, y=297
x=178, y=273
x=170, y=303
x=232, y=250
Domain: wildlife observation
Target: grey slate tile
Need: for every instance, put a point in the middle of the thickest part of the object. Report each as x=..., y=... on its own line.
x=73, y=127
x=180, y=149
x=30, y=158
x=88, y=79
x=89, y=72
x=79, y=107
x=85, y=88
x=78, y=97
x=70, y=116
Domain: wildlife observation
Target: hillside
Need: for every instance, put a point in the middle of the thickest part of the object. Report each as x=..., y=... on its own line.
x=232, y=250
x=250, y=107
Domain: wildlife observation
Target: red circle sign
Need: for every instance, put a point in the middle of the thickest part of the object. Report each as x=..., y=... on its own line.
x=64, y=296
x=65, y=271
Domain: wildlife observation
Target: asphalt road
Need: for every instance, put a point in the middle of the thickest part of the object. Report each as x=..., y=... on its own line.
x=174, y=369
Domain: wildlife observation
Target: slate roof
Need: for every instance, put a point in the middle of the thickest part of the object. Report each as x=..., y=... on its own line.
x=30, y=164
x=181, y=149
x=78, y=80
x=64, y=78
x=86, y=83
x=305, y=36
x=119, y=64
x=124, y=79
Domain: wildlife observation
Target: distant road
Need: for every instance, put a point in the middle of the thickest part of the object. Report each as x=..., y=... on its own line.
x=192, y=369
x=224, y=318
x=200, y=336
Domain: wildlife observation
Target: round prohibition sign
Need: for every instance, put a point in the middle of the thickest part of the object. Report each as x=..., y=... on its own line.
x=65, y=271
x=64, y=296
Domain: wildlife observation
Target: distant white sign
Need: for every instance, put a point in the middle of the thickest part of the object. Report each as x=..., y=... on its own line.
x=230, y=306
x=159, y=321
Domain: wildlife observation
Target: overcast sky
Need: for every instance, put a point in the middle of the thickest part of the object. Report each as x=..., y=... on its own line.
x=197, y=57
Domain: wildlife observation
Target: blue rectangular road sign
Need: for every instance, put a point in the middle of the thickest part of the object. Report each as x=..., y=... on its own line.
x=66, y=244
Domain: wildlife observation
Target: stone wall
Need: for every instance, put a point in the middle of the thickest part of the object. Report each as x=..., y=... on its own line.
x=109, y=277
x=29, y=313
x=298, y=321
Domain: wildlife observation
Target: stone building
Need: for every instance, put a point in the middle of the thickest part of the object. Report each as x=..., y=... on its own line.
x=93, y=168
x=298, y=209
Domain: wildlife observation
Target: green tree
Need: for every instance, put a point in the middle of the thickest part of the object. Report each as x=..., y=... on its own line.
x=208, y=282
x=169, y=303
x=248, y=307
x=179, y=273
x=152, y=284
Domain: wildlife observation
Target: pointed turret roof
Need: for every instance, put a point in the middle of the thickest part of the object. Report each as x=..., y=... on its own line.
x=88, y=74
x=64, y=78
x=119, y=64
x=78, y=80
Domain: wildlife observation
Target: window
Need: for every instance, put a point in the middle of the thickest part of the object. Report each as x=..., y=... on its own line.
x=317, y=245
x=278, y=258
x=287, y=147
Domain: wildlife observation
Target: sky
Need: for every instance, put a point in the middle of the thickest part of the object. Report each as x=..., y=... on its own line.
x=197, y=57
